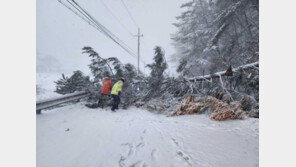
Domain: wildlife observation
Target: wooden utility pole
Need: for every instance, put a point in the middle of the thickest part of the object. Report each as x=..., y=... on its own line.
x=139, y=36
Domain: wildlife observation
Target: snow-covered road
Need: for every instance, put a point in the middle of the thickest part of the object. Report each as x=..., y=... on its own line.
x=75, y=136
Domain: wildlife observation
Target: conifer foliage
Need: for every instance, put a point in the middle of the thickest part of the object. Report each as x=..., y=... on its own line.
x=102, y=68
x=212, y=35
x=156, y=77
x=77, y=82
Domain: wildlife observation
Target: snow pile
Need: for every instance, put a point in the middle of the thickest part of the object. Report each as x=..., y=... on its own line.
x=156, y=105
x=161, y=105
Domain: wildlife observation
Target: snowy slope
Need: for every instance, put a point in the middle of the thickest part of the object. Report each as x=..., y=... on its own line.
x=45, y=85
x=133, y=137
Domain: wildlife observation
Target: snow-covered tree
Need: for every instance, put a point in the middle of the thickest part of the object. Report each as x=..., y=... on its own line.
x=194, y=30
x=156, y=75
x=99, y=66
x=112, y=68
x=215, y=34
x=77, y=82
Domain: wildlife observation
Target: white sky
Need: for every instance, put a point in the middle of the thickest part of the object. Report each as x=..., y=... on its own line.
x=61, y=34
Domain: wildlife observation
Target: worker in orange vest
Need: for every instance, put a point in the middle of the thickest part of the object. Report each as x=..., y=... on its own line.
x=105, y=93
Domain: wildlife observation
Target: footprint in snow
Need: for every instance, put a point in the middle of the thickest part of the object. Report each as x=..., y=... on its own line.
x=153, y=154
x=175, y=141
x=184, y=157
x=121, y=161
x=141, y=144
x=130, y=151
x=137, y=163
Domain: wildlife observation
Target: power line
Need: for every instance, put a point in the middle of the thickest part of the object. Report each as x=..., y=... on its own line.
x=96, y=26
x=85, y=18
x=129, y=13
x=107, y=32
x=139, y=35
x=90, y=20
x=80, y=12
x=105, y=29
x=116, y=18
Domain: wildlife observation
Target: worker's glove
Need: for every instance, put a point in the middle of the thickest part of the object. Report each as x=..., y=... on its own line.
x=119, y=93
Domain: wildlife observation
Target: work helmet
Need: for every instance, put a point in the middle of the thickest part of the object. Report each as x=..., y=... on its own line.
x=121, y=78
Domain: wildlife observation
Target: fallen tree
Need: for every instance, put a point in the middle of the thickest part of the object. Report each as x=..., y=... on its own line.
x=222, y=73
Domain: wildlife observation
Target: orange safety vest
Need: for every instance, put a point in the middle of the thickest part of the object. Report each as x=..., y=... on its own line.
x=107, y=86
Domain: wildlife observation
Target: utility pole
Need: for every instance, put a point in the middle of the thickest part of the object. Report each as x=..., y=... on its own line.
x=139, y=36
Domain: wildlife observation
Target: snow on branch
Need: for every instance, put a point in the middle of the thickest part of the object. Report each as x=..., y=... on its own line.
x=223, y=20
x=228, y=12
x=216, y=37
x=222, y=73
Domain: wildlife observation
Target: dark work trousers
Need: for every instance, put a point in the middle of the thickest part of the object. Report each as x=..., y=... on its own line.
x=116, y=101
x=103, y=100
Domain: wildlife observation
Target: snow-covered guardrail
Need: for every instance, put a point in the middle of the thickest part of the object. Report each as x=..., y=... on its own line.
x=222, y=73
x=43, y=104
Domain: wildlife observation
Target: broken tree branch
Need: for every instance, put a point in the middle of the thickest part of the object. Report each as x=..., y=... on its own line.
x=223, y=87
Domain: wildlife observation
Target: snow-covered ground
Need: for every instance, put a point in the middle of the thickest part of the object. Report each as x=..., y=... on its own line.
x=45, y=85
x=75, y=136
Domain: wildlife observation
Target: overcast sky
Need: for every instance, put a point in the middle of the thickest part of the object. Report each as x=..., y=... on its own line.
x=61, y=34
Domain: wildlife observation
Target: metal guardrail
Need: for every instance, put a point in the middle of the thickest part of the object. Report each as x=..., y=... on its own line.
x=43, y=104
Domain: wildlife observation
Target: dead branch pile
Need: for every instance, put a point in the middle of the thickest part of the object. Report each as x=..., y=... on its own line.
x=227, y=115
x=214, y=105
x=192, y=105
x=188, y=106
x=219, y=109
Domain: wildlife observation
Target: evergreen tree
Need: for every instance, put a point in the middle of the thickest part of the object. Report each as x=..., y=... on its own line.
x=77, y=82
x=215, y=34
x=130, y=92
x=99, y=66
x=190, y=39
x=112, y=68
x=156, y=75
